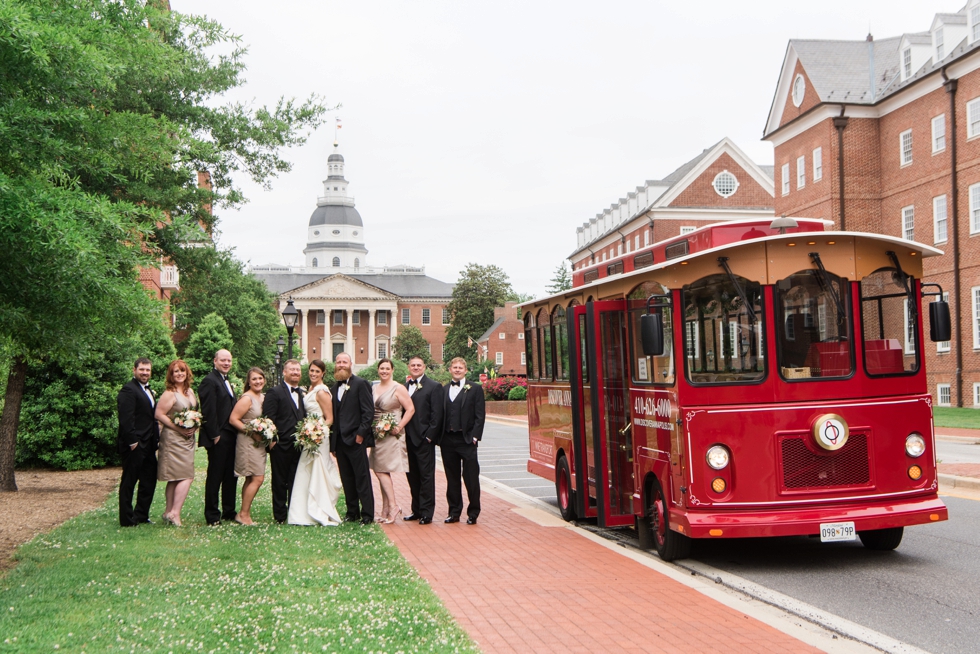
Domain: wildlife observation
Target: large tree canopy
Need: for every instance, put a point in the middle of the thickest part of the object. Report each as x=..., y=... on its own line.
x=108, y=111
x=477, y=292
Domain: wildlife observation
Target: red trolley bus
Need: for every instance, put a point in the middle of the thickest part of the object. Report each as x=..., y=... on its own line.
x=742, y=380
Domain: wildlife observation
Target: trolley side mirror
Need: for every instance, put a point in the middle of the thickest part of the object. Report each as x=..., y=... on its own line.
x=940, y=326
x=652, y=334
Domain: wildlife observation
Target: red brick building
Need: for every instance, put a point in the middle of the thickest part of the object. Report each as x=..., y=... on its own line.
x=502, y=345
x=895, y=123
x=721, y=183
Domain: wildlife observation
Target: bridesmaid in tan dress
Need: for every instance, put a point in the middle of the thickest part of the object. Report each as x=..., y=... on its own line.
x=390, y=454
x=176, y=458
x=249, y=460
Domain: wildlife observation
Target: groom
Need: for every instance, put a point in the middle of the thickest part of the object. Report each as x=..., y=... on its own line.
x=284, y=406
x=353, y=415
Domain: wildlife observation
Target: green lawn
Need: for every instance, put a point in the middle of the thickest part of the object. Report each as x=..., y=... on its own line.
x=945, y=416
x=91, y=586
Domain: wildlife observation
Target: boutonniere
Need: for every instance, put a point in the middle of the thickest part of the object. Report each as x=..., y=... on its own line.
x=302, y=389
x=153, y=393
x=467, y=387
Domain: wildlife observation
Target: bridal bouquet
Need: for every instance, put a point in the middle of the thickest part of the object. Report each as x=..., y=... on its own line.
x=311, y=433
x=262, y=431
x=188, y=419
x=384, y=425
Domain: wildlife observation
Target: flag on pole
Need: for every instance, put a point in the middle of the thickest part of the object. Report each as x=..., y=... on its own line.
x=469, y=342
x=338, y=124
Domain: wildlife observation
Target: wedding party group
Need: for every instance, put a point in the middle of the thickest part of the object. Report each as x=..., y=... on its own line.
x=317, y=441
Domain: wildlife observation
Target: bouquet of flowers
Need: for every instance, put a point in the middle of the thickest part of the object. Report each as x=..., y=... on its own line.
x=262, y=431
x=384, y=425
x=188, y=419
x=311, y=433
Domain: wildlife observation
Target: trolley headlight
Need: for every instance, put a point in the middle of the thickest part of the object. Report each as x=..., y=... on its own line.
x=717, y=456
x=915, y=445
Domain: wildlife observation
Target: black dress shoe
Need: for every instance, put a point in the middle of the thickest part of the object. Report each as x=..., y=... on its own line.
x=411, y=516
x=451, y=519
x=367, y=521
x=350, y=518
x=147, y=522
x=425, y=521
x=216, y=523
x=471, y=521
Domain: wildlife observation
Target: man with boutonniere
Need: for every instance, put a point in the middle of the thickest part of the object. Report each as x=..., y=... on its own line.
x=423, y=433
x=464, y=415
x=137, y=441
x=219, y=437
x=352, y=434
x=284, y=405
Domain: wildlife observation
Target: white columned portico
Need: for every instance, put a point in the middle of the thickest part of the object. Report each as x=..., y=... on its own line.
x=371, y=348
x=304, y=334
x=349, y=344
x=393, y=325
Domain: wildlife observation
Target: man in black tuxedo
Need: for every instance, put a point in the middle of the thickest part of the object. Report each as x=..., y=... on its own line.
x=423, y=432
x=219, y=438
x=137, y=441
x=284, y=406
x=463, y=418
x=352, y=434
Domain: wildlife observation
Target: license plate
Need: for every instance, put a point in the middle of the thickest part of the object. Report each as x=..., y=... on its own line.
x=833, y=531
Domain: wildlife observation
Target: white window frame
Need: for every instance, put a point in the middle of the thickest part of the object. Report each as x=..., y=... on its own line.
x=907, y=63
x=520, y=336
x=646, y=238
x=973, y=118
x=784, y=171
x=800, y=172
x=338, y=317
x=943, y=395
x=382, y=349
x=426, y=316
x=976, y=389
x=524, y=362
x=687, y=229
x=975, y=294
x=406, y=316
x=943, y=346
x=321, y=317
x=905, y=148
x=355, y=317
x=975, y=209
x=974, y=23
x=499, y=360
x=442, y=353
x=502, y=336
x=940, y=219
x=817, y=164
x=382, y=318
x=445, y=316
x=908, y=223
x=938, y=133
x=940, y=40
x=428, y=348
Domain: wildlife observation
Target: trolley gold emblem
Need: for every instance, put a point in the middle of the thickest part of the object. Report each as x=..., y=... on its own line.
x=830, y=431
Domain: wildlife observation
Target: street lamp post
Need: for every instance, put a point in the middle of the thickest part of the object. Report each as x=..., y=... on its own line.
x=280, y=344
x=290, y=316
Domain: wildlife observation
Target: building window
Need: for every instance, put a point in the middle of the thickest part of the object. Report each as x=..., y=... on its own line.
x=939, y=218
x=907, y=63
x=520, y=336
x=975, y=292
x=524, y=361
x=908, y=223
x=357, y=263
x=314, y=262
x=442, y=352
x=785, y=178
x=687, y=229
x=355, y=317
x=502, y=336
x=943, y=346
x=818, y=164
x=799, y=89
x=445, y=316
x=975, y=209
x=426, y=317
x=975, y=23
x=500, y=359
x=800, y=172
x=636, y=242
x=336, y=262
x=428, y=347
x=905, y=147
x=940, y=45
x=321, y=317
x=942, y=394
x=382, y=317
x=939, y=133
x=973, y=118
x=646, y=239
x=406, y=316
x=725, y=184
x=382, y=350
x=338, y=317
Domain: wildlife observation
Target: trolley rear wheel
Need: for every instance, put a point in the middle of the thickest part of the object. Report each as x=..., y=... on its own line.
x=882, y=539
x=563, y=489
x=670, y=544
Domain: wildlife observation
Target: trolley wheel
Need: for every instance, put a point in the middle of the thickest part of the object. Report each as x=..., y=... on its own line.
x=563, y=489
x=670, y=544
x=882, y=539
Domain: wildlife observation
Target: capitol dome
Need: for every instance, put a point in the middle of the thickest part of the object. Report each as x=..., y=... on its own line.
x=335, y=236
x=334, y=214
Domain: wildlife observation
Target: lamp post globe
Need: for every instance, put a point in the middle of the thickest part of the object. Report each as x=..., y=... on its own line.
x=290, y=316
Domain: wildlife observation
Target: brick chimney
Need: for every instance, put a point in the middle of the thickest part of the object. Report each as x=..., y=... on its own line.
x=506, y=311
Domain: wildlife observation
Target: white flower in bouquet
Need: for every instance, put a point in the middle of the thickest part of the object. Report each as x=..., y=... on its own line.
x=262, y=431
x=383, y=425
x=188, y=419
x=311, y=433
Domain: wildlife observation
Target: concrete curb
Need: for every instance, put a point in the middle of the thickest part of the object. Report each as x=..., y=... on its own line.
x=955, y=481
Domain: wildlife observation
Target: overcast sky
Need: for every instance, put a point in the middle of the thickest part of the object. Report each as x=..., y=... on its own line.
x=487, y=132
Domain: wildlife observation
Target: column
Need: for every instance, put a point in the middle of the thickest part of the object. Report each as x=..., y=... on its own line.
x=371, y=348
x=393, y=326
x=304, y=336
x=349, y=345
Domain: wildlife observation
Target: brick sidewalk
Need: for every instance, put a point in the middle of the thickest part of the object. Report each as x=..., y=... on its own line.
x=960, y=469
x=517, y=586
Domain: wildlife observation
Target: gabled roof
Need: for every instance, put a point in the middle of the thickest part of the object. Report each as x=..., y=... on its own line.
x=404, y=286
x=496, y=323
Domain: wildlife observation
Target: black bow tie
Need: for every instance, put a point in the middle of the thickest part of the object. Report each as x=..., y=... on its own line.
x=412, y=382
x=455, y=383
x=296, y=389
x=343, y=383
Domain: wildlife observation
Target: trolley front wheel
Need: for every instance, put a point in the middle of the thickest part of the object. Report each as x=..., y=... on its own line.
x=563, y=489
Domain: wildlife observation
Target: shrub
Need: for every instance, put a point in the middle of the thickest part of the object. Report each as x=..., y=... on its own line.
x=518, y=393
x=399, y=372
x=499, y=388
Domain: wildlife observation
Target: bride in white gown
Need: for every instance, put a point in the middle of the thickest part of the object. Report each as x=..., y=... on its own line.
x=316, y=488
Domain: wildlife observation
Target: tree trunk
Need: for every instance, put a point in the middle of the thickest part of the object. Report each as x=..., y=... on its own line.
x=9, y=421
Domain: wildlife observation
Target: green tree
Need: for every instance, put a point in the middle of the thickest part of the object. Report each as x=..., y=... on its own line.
x=477, y=292
x=108, y=111
x=411, y=343
x=211, y=335
x=562, y=281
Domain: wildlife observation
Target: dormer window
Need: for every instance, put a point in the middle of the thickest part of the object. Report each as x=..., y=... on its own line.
x=975, y=23
x=907, y=63
x=940, y=46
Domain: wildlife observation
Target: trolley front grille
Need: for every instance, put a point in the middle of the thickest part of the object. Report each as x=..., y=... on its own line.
x=804, y=468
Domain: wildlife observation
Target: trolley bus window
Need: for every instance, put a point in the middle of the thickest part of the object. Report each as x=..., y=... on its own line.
x=814, y=326
x=647, y=369
x=530, y=347
x=561, y=343
x=890, y=330
x=722, y=344
x=583, y=343
x=545, y=367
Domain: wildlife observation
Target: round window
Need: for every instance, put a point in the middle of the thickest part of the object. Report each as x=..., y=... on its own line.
x=316, y=232
x=355, y=233
x=725, y=184
x=336, y=232
x=799, y=88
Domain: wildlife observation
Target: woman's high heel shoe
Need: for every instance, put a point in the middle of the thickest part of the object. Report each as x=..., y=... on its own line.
x=168, y=520
x=394, y=517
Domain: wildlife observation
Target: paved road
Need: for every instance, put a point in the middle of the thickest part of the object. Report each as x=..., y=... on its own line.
x=923, y=594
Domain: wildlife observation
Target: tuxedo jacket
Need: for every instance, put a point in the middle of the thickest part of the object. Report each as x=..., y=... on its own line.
x=216, y=406
x=472, y=411
x=279, y=407
x=136, y=421
x=353, y=415
x=427, y=421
